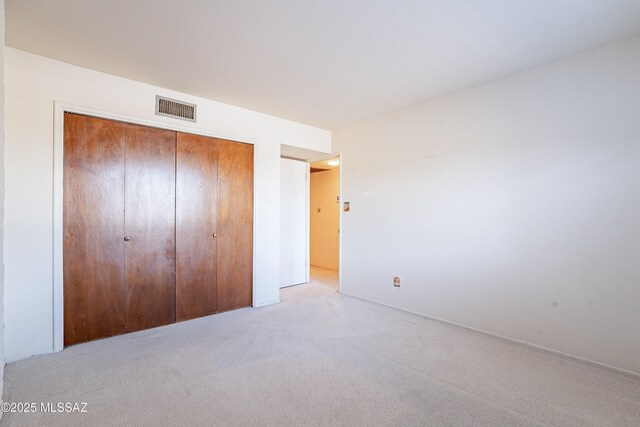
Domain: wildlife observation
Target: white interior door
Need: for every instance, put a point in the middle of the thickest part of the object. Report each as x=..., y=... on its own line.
x=293, y=222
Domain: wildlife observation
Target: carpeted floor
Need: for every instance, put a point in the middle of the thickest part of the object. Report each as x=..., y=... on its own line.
x=318, y=358
x=325, y=277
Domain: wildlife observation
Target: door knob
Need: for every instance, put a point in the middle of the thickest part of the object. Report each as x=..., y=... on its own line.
x=215, y=234
x=127, y=238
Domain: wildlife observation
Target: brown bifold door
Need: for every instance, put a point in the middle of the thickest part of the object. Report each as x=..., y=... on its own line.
x=158, y=227
x=93, y=225
x=119, y=228
x=149, y=232
x=196, y=226
x=235, y=225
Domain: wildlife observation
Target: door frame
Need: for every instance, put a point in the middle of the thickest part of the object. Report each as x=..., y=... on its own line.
x=59, y=108
x=333, y=155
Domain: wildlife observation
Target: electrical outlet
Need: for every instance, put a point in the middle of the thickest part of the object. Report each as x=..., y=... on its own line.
x=396, y=281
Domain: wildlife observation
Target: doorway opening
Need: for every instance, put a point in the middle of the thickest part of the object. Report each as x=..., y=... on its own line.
x=310, y=218
x=324, y=222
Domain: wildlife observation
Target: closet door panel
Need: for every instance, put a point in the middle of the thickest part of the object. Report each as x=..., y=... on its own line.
x=150, y=257
x=196, y=219
x=93, y=224
x=235, y=224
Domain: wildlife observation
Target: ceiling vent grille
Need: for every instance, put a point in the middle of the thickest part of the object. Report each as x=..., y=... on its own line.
x=177, y=109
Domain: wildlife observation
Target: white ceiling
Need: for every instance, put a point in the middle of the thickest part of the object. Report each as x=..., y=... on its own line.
x=328, y=63
x=324, y=164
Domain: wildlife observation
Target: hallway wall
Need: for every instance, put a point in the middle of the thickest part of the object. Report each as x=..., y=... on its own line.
x=324, y=225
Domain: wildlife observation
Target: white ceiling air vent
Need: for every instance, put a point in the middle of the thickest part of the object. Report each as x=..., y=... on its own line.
x=177, y=109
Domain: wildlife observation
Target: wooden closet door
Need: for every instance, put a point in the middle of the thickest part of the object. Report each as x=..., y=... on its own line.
x=235, y=225
x=93, y=225
x=196, y=225
x=150, y=257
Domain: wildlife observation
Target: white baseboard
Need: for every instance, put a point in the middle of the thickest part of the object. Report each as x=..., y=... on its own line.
x=262, y=304
x=614, y=369
x=27, y=356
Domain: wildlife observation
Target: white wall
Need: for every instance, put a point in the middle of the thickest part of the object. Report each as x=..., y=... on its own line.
x=324, y=225
x=513, y=207
x=2, y=357
x=33, y=83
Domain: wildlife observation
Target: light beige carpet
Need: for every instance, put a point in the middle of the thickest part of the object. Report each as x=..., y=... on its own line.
x=318, y=358
x=325, y=277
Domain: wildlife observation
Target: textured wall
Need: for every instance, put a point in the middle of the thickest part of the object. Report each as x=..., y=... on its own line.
x=2, y=357
x=512, y=207
x=33, y=84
